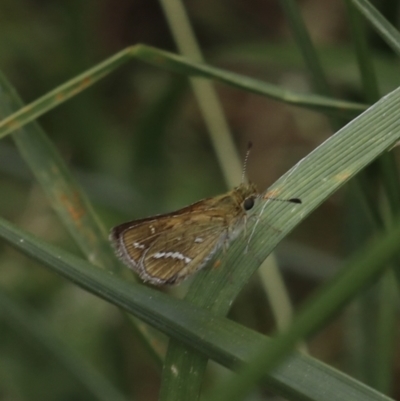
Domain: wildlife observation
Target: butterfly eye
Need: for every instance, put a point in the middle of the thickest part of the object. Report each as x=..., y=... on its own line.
x=248, y=203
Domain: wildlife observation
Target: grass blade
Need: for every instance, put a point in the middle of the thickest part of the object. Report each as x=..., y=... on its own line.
x=300, y=378
x=313, y=179
x=355, y=275
x=65, y=195
x=387, y=31
x=175, y=63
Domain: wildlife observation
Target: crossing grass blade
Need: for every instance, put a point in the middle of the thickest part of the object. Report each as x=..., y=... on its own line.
x=299, y=378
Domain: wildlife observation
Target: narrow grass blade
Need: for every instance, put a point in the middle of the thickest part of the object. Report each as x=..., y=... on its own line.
x=65, y=195
x=382, y=344
x=175, y=63
x=63, y=192
x=310, y=57
x=205, y=93
x=363, y=53
x=387, y=31
x=387, y=328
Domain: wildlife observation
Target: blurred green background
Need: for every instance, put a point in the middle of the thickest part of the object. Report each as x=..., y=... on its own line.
x=137, y=143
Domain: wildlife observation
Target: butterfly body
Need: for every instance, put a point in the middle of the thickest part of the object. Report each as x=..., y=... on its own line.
x=167, y=248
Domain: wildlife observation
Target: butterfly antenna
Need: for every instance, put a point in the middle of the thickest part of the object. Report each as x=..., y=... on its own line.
x=291, y=200
x=249, y=146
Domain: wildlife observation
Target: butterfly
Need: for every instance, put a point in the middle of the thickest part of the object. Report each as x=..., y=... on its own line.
x=168, y=248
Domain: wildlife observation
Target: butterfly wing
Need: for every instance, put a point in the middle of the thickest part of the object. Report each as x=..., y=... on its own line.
x=175, y=256
x=168, y=248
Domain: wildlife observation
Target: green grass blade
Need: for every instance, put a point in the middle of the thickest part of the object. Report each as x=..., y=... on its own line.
x=386, y=163
x=207, y=98
x=64, y=194
x=181, y=65
x=227, y=155
x=300, y=33
x=387, y=334
x=378, y=355
x=300, y=378
x=356, y=274
x=387, y=31
x=25, y=323
x=364, y=59
x=175, y=63
x=313, y=179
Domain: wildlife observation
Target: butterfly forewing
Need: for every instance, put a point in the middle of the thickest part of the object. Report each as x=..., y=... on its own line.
x=166, y=250
x=176, y=255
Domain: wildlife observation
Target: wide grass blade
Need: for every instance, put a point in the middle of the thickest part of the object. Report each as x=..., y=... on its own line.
x=312, y=180
x=300, y=378
x=355, y=275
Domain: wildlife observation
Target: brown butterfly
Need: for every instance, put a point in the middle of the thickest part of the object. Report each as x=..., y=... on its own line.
x=168, y=248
